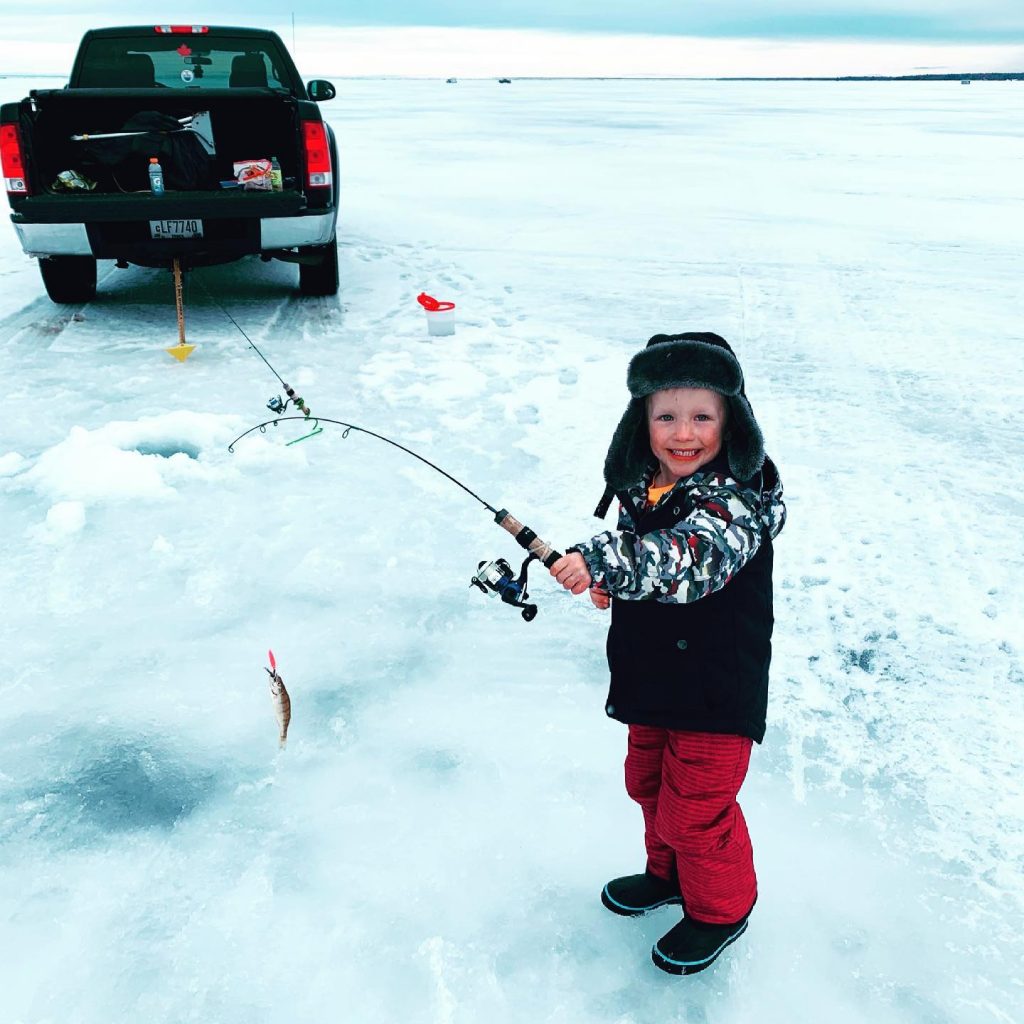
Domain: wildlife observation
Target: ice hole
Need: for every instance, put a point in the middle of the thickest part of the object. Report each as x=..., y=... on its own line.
x=165, y=449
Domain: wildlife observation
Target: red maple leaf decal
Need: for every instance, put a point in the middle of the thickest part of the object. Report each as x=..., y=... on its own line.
x=185, y=50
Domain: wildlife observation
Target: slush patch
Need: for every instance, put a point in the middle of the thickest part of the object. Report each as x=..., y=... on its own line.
x=436, y=763
x=123, y=787
x=130, y=787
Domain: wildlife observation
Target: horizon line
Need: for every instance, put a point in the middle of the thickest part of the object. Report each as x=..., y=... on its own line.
x=937, y=75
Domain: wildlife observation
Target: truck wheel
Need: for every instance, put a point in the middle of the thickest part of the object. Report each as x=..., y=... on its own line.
x=320, y=278
x=69, y=279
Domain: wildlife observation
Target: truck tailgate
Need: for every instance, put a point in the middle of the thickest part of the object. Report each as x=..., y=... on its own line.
x=227, y=204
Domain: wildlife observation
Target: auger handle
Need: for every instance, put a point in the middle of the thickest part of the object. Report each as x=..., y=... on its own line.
x=526, y=538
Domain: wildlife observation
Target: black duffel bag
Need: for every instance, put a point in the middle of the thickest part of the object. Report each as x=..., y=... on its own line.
x=183, y=160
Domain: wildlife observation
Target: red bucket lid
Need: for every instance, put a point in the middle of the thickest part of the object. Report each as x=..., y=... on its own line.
x=432, y=305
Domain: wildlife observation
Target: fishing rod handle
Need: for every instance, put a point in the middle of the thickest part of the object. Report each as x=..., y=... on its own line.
x=296, y=400
x=526, y=538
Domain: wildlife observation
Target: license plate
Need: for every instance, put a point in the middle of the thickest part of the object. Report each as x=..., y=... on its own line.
x=176, y=228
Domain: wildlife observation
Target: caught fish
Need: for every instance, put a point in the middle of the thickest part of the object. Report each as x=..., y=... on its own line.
x=282, y=702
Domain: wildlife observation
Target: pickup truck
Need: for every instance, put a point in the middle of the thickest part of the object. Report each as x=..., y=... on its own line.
x=211, y=104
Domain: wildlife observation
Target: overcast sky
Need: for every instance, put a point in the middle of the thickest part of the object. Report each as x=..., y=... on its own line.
x=657, y=37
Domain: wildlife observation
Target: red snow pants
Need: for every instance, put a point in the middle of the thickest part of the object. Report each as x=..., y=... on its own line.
x=686, y=784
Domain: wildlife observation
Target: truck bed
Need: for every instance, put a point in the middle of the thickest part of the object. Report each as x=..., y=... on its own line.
x=247, y=123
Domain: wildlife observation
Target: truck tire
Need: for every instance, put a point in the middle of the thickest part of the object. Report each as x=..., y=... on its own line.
x=69, y=279
x=320, y=278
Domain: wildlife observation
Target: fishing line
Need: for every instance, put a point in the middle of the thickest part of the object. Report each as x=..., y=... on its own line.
x=222, y=308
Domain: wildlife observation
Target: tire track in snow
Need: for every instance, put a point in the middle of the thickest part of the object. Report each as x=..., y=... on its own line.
x=856, y=690
x=40, y=320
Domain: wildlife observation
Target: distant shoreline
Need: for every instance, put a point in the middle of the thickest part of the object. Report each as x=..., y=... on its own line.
x=967, y=76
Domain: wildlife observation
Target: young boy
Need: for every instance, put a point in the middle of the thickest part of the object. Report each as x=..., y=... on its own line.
x=689, y=580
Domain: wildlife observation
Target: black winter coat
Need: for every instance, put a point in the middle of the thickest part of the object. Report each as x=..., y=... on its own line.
x=703, y=665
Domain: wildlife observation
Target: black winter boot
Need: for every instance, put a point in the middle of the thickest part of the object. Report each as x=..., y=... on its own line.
x=693, y=945
x=633, y=895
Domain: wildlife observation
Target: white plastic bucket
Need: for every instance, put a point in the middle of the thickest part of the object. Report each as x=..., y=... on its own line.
x=441, y=321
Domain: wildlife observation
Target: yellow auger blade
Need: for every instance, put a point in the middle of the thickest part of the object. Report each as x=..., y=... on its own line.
x=181, y=351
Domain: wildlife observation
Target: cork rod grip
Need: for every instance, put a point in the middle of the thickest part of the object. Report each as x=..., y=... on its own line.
x=526, y=538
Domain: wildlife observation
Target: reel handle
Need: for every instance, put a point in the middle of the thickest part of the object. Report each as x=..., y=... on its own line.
x=526, y=538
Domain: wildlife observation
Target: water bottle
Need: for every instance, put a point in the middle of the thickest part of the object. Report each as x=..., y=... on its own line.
x=276, y=179
x=156, y=176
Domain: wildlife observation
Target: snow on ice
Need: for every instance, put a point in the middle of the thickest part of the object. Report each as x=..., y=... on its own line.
x=432, y=844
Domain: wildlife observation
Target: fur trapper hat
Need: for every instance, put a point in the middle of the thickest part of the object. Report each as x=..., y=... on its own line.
x=698, y=359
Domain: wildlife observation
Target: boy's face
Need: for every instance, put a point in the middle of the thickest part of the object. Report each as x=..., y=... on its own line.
x=685, y=426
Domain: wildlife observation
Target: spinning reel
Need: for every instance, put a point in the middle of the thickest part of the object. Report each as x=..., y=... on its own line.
x=496, y=579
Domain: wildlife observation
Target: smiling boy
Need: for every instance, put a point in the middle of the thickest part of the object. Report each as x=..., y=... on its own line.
x=685, y=426
x=688, y=576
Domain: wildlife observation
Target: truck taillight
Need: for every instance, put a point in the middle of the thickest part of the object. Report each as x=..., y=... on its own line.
x=318, y=155
x=181, y=30
x=12, y=159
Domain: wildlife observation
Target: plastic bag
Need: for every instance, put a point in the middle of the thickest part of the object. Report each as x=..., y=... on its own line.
x=72, y=181
x=255, y=175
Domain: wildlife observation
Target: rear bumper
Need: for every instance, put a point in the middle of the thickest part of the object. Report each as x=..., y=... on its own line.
x=98, y=240
x=113, y=228
x=289, y=232
x=54, y=239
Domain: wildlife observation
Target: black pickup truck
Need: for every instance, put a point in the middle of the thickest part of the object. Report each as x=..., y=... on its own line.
x=213, y=105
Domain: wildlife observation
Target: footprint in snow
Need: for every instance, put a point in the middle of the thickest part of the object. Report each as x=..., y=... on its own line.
x=813, y=581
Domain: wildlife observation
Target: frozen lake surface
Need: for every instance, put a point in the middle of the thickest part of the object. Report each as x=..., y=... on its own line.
x=432, y=843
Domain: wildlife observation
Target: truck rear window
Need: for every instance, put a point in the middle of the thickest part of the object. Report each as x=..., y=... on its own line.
x=182, y=62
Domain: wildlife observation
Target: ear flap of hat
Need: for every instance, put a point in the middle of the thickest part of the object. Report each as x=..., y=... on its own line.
x=629, y=454
x=744, y=442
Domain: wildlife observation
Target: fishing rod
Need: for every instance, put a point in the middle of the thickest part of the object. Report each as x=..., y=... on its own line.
x=495, y=577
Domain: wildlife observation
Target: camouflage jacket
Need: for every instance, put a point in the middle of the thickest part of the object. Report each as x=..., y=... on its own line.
x=720, y=528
